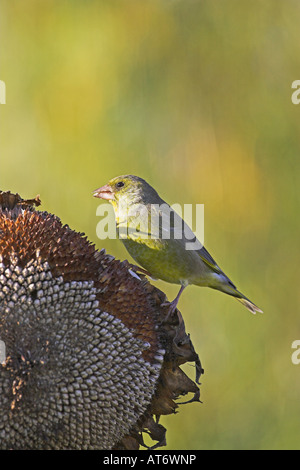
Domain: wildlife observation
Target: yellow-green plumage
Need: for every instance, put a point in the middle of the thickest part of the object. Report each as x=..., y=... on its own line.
x=164, y=255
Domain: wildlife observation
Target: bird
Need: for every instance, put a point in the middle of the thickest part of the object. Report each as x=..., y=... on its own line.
x=157, y=239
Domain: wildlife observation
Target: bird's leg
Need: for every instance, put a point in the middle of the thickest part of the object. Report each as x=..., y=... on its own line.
x=173, y=305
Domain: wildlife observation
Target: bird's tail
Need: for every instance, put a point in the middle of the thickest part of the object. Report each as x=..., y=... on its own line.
x=241, y=298
x=231, y=290
x=248, y=304
x=225, y=285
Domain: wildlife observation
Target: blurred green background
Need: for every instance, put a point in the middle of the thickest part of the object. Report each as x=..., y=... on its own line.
x=194, y=96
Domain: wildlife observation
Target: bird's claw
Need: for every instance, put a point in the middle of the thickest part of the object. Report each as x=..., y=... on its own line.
x=172, y=307
x=137, y=269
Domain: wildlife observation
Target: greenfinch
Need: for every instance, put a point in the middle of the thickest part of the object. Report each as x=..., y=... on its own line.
x=161, y=242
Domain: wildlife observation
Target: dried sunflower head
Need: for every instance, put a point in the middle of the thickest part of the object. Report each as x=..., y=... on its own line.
x=89, y=360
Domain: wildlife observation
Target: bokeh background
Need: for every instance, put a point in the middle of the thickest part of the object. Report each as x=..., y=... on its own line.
x=194, y=96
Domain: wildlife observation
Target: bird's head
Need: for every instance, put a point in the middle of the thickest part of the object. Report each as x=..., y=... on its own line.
x=127, y=189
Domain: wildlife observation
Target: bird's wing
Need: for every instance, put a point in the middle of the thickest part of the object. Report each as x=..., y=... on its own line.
x=166, y=224
x=208, y=260
x=188, y=236
x=179, y=228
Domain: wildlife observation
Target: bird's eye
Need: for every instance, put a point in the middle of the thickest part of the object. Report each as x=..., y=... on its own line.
x=120, y=184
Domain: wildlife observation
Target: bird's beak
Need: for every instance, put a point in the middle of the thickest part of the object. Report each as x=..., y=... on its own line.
x=105, y=192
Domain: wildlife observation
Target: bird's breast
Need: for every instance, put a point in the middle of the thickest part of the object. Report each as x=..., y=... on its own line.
x=164, y=259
